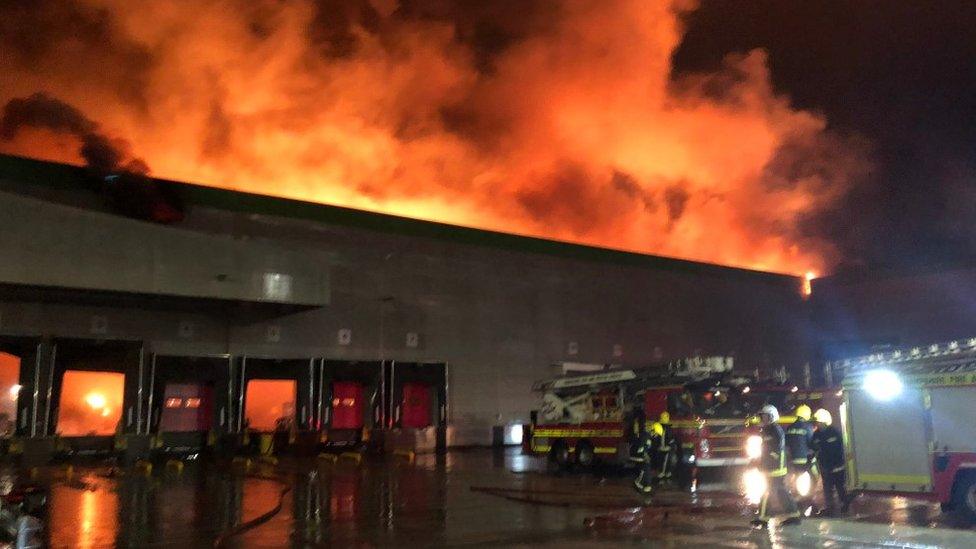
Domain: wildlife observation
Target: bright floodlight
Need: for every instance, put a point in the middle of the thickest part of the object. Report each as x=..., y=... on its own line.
x=882, y=384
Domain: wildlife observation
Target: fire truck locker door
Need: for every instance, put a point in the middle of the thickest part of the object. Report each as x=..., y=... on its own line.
x=655, y=402
x=952, y=419
x=891, y=450
x=416, y=405
x=347, y=405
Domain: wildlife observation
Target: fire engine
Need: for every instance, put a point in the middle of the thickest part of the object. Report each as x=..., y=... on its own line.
x=908, y=423
x=584, y=415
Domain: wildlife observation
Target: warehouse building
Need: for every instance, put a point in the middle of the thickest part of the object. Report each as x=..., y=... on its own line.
x=429, y=331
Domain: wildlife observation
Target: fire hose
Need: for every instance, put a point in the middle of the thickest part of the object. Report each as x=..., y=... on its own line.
x=223, y=537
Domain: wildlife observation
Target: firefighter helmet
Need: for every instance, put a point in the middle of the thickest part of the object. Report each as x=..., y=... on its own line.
x=771, y=411
x=665, y=418
x=803, y=412
x=823, y=416
x=657, y=429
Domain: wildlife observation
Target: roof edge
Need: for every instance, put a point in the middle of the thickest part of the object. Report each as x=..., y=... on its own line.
x=65, y=176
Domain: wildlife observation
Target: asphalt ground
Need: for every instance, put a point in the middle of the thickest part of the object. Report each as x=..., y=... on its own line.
x=464, y=498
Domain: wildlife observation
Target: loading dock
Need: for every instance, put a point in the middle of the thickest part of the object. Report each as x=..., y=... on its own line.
x=189, y=399
x=295, y=376
x=87, y=373
x=352, y=401
x=418, y=415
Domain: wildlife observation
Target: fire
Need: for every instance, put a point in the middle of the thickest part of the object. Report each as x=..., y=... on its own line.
x=90, y=403
x=95, y=400
x=572, y=127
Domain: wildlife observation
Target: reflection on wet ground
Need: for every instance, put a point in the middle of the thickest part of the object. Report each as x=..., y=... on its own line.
x=474, y=497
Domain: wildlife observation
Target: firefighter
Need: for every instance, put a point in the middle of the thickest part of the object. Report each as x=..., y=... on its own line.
x=648, y=445
x=666, y=449
x=829, y=447
x=798, y=437
x=773, y=464
x=635, y=428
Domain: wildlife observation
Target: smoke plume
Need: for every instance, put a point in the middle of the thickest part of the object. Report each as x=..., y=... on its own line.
x=101, y=155
x=563, y=120
x=122, y=179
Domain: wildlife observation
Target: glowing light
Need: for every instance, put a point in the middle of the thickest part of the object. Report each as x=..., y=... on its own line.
x=95, y=400
x=513, y=434
x=15, y=391
x=754, y=447
x=746, y=389
x=794, y=389
x=803, y=484
x=754, y=485
x=882, y=385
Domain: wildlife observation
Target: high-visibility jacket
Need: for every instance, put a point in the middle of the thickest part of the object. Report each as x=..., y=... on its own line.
x=798, y=438
x=773, y=461
x=829, y=445
x=668, y=442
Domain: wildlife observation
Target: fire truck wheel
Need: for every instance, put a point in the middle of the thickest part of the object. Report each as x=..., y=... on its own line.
x=559, y=455
x=967, y=498
x=585, y=456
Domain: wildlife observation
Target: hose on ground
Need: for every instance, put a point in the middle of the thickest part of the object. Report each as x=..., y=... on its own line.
x=224, y=536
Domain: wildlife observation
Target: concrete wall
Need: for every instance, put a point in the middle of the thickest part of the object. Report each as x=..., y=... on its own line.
x=54, y=245
x=499, y=316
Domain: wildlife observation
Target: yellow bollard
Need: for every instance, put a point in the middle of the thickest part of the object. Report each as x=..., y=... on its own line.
x=145, y=467
x=241, y=461
x=355, y=456
x=409, y=454
x=268, y=460
x=266, y=444
x=176, y=465
x=332, y=458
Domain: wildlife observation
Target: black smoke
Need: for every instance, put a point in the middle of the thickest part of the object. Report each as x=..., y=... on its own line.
x=123, y=178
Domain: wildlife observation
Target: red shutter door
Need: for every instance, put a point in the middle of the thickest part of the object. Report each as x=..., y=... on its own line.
x=416, y=405
x=347, y=405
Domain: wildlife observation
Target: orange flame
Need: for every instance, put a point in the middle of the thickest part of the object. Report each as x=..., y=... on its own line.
x=578, y=131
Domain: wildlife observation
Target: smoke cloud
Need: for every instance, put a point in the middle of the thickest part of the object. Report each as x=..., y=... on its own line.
x=39, y=111
x=563, y=120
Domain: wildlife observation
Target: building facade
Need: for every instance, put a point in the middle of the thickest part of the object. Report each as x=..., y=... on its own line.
x=245, y=276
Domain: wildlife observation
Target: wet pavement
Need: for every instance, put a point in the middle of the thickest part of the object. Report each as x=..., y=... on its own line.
x=465, y=498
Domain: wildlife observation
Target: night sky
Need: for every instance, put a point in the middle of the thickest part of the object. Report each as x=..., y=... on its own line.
x=901, y=74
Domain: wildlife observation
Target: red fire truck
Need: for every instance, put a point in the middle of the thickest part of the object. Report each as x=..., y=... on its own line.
x=908, y=418
x=584, y=415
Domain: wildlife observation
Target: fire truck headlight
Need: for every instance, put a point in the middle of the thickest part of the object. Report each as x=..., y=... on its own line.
x=803, y=484
x=754, y=447
x=754, y=485
x=882, y=385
